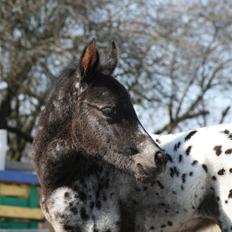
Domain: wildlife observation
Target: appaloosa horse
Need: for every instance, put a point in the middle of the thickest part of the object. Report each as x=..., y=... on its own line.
x=196, y=188
x=90, y=148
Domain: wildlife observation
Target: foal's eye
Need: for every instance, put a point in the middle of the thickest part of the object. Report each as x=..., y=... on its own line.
x=108, y=111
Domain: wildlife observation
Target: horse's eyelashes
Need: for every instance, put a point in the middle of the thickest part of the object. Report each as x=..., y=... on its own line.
x=108, y=111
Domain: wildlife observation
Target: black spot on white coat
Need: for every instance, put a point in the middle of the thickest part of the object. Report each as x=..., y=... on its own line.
x=218, y=150
x=188, y=150
x=221, y=172
x=190, y=135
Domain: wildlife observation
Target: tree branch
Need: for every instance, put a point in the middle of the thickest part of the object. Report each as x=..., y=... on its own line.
x=20, y=133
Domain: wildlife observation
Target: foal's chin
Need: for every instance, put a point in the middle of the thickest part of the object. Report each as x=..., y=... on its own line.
x=148, y=168
x=148, y=174
x=152, y=178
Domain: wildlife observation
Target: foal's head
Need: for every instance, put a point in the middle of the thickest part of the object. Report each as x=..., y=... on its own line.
x=104, y=122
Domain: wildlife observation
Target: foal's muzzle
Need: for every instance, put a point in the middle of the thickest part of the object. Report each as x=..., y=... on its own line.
x=149, y=165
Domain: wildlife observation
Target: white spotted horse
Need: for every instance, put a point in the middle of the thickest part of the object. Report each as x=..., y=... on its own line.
x=196, y=189
x=90, y=150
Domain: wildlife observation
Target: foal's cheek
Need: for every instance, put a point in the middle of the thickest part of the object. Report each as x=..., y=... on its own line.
x=110, y=121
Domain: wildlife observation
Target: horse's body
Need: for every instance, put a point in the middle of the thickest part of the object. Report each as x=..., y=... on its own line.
x=88, y=139
x=196, y=189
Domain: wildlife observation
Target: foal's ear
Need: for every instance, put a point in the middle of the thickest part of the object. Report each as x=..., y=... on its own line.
x=89, y=61
x=112, y=61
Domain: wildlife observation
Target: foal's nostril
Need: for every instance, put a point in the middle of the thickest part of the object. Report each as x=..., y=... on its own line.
x=160, y=159
x=140, y=167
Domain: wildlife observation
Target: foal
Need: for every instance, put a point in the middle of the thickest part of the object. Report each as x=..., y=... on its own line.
x=90, y=148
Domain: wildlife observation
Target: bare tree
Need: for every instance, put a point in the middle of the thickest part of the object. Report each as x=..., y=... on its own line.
x=36, y=39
